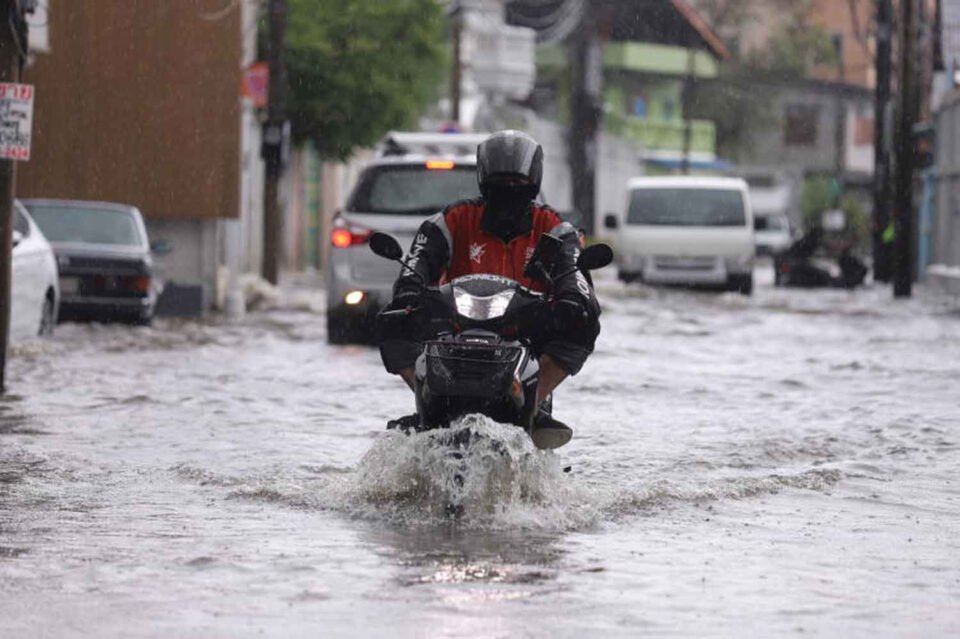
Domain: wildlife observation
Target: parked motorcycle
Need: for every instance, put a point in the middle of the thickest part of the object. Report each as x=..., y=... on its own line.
x=799, y=267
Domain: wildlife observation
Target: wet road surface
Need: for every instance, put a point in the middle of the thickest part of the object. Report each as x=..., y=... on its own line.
x=778, y=465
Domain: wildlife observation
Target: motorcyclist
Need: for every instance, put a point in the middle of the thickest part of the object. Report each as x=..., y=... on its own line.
x=497, y=233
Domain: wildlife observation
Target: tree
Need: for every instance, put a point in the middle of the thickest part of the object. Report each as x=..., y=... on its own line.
x=358, y=69
x=793, y=48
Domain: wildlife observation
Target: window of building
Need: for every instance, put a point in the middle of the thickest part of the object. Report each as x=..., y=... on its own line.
x=801, y=125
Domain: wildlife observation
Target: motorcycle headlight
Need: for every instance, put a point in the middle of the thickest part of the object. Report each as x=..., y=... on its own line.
x=481, y=308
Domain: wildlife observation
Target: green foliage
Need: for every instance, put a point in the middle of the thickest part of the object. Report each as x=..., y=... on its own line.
x=741, y=100
x=816, y=197
x=820, y=194
x=794, y=51
x=358, y=69
x=731, y=102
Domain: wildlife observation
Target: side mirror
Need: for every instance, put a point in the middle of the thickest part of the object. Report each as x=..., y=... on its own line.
x=161, y=247
x=386, y=246
x=17, y=237
x=611, y=221
x=594, y=257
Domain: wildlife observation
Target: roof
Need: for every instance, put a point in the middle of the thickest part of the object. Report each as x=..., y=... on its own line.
x=688, y=182
x=669, y=22
x=402, y=143
x=78, y=204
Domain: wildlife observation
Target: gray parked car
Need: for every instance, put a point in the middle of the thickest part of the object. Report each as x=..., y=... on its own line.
x=104, y=259
x=415, y=176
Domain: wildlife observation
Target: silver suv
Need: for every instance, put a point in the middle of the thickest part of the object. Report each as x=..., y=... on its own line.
x=414, y=176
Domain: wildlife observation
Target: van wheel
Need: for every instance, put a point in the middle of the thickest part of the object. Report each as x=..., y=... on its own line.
x=743, y=284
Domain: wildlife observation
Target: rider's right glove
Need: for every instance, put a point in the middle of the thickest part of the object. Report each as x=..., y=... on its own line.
x=404, y=298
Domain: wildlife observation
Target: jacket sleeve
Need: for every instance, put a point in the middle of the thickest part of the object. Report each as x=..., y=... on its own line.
x=429, y=254
x=576, y=286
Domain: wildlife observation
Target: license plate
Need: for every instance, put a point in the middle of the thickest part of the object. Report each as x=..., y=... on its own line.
x=69, y=285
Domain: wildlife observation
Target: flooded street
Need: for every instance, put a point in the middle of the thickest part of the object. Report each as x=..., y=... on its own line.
x=766, y=466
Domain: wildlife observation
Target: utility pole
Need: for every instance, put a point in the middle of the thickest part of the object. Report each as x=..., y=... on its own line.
x=840, y=127
x=586, y=71
x=275, y=139
x=456, y=72
x=12, y=44
x=881, y=142
x=686, y=102
x=905, y=153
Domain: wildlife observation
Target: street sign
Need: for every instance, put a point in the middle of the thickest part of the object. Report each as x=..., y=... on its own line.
x=256, y=84
x=16, y=120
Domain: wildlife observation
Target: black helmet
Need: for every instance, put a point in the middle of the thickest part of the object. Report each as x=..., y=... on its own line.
x=510, y=153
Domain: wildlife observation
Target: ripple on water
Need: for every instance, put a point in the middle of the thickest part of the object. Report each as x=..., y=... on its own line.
x=498, y=481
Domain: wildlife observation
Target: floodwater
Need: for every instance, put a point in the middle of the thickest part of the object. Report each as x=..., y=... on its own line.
x=781, y=465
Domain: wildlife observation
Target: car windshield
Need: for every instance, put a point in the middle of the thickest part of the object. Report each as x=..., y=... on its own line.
x=686, y=207
x=770, y=223
x=62, y=223
x=412, y=189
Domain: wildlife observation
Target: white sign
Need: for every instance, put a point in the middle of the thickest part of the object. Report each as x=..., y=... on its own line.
x=834, y=220
x=16, y=121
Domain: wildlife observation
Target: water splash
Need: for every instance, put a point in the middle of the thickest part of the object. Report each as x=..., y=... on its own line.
x=483, y=473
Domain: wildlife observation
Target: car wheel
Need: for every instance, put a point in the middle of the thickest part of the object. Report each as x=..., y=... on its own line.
x=745, y=285
x=338, y=329
x=48, y=318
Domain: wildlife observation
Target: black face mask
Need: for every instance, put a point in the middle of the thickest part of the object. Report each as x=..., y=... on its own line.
x=508, y=209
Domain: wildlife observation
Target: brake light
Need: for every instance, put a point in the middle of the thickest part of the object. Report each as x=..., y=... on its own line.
x=441, y=165
x=344, y=236
x=140, y=284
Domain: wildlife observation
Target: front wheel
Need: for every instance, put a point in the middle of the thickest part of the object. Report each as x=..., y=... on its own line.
x=48, y=317
x=337, y=331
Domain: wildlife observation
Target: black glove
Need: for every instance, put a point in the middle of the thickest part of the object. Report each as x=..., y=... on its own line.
x=569, y=314
x=405, y=297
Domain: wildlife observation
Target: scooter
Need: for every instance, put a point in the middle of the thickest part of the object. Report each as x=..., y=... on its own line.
x=478, y=330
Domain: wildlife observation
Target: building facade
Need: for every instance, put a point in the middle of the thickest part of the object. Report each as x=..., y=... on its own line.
x=140, y=103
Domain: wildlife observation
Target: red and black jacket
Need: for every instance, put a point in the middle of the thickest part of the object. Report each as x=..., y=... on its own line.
x=460, y=240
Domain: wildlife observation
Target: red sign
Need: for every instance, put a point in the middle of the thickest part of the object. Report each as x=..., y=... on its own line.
x=256, y=84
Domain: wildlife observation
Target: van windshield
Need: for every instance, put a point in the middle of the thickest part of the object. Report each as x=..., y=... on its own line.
x=406, y=189
x=686, y=207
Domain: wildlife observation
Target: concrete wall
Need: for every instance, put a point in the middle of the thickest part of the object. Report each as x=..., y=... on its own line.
x=770, y=147
x=944, y=271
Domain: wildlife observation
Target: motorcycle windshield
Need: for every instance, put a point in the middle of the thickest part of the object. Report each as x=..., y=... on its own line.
x=481, y=308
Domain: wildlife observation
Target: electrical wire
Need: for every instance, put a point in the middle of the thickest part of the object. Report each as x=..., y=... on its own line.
x=540, y=22
x=554, y=26
x=18, y=29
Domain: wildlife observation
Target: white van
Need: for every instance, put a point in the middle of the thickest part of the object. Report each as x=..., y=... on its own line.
x=688, y=230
